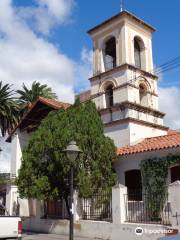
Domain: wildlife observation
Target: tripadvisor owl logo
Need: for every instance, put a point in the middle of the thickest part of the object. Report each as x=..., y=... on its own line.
x=139, y=231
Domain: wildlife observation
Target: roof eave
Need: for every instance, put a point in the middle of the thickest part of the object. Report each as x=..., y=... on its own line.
x=124, y=13
x=139, y=152
x=41, y=100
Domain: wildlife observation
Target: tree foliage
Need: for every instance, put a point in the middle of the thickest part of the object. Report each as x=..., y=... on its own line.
x=9, y=108
x=45, y=168
x=154, y=176
x=28, y=96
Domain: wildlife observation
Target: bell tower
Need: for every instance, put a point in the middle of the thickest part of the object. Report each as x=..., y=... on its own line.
x=124, y=85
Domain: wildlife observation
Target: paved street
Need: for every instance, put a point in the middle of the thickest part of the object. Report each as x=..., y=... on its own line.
x=34, y=236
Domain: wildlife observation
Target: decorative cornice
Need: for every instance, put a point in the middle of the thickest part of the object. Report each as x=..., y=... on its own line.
x=119, y=87
x=124, y=66
x=134, y=106
x=141, y=122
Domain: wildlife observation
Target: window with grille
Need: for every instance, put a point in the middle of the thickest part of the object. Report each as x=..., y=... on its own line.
x=137, y=53
x=110, y=54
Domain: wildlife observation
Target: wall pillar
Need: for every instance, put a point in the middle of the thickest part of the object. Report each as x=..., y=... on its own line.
x=77, y=207
x=119, y=195
x=174, y=199
x=38, y=208
x=12, y=199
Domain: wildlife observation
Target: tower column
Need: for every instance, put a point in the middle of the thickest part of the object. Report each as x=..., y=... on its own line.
x=123, y=47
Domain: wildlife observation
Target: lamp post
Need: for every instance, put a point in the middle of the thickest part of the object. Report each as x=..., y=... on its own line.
x=0, y=151
x=72, y=151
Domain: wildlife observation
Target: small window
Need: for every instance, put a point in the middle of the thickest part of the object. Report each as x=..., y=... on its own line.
x=110, y=54
x=175, y=174
x=109, y=96
x=137, y=53
x=143, y=97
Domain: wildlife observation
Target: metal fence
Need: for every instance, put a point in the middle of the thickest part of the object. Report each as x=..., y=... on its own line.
x=2, y=202
x=2, y=210
x=98, y=207
x=110, y=63
x=150, y=209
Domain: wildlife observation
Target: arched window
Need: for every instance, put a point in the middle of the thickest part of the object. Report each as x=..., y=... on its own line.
x=109, y=96
x=137, y=53
x=175, y=174
x=110, y=54
x=133, y=183
x=143, y=96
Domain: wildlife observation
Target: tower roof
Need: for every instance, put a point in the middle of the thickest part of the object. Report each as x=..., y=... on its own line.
x=118, y=16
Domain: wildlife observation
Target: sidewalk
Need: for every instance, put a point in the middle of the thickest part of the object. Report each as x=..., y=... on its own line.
x=40, y=236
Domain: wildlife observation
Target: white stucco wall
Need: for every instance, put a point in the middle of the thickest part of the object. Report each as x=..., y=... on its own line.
x=119, y=133
x=138, y=132
x=19, y=140
x=128, y=133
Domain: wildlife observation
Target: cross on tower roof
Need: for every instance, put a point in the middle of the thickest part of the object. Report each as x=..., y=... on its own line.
x=122, y=5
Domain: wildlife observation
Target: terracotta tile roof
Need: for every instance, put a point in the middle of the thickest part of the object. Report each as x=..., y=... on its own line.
x=51, y=103
x=84, y=96
x=171, y=140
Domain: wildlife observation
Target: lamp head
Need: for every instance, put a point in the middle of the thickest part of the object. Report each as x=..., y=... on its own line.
x=72, y=151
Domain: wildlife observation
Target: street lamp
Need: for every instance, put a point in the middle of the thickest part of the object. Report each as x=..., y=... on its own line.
x=72, y=151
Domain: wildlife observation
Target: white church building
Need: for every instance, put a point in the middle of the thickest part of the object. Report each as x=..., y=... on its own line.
x=124, y=89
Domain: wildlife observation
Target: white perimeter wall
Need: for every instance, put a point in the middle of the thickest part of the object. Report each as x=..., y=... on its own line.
x=93, y=229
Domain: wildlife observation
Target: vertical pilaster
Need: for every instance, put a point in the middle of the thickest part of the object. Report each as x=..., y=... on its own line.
x=119, y=194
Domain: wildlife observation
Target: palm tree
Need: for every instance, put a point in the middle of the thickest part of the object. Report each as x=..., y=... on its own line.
x=28, y=96
x=8, y=109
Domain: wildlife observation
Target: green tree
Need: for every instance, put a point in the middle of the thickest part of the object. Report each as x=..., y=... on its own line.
x=45, y=169
x=8, y=108
x=28, y=96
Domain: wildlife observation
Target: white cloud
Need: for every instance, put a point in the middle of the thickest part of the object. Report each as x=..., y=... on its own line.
x=87, y=56
x=60, y=9
x=47, y=14
x=169, y=101
x=25, y=56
